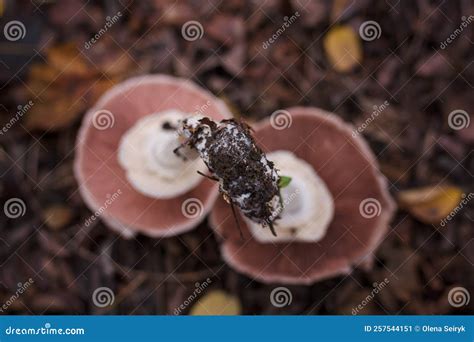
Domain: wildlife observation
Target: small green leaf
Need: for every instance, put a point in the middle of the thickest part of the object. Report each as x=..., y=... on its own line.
x=284, y=181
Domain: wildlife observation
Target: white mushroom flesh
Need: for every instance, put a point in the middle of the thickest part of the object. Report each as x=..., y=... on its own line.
x=146, y=154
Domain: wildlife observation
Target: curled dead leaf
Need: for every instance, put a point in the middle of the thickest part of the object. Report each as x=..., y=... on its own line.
x=343, y=48
x=431, y=204
x=218, y=303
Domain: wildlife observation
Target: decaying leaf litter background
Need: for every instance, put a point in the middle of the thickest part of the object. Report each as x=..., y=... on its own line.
x=415, y=146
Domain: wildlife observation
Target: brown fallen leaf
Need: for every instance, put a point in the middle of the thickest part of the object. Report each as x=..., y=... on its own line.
x=57, y=108
x=41, y=73
x=106, y=58
x=96, y=89
x=57, y=216
x=62, y=88
x=343, y=48
x=218, y=303
x=431, y=204
x=67, y=59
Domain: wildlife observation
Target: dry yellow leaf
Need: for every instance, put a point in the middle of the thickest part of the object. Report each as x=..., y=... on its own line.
x=431, y=204
x=43, y=73
x=57, y=216
x=67, y=59
x=216, y=303
x=343, y=48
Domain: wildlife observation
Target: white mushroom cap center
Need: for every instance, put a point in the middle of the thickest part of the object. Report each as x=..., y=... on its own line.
x=308, y=206
x=160, y=155
x=146, y=154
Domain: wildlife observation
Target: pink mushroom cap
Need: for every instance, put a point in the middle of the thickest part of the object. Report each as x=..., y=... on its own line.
x=346, y=164
x=100, y=176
